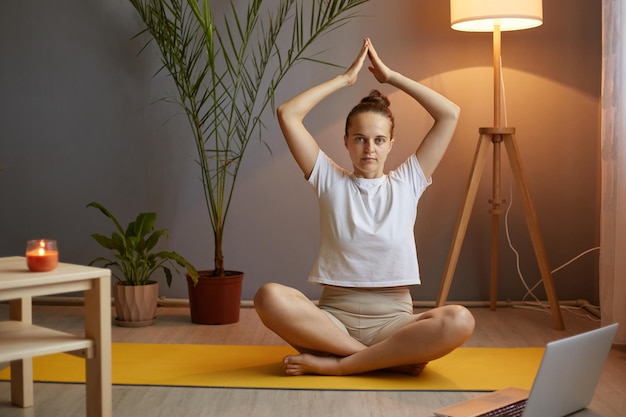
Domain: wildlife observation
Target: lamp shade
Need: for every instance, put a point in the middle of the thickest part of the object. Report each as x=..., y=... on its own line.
x=484, y=15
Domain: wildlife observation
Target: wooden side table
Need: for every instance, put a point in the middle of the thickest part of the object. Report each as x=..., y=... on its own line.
x=21, y=340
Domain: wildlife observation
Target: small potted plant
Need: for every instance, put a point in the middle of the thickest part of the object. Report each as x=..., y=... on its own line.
x=133, y=264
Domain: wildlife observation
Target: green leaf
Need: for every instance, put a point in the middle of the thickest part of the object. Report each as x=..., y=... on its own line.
x=153, y=239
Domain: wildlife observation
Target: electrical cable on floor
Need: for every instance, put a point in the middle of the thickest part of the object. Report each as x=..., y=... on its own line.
x=538, y=304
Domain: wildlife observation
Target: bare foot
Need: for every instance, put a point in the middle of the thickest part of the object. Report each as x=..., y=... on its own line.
x=306, y=363
x=413, y=370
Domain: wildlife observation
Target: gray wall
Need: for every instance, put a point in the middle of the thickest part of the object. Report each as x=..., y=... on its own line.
x=78, y=123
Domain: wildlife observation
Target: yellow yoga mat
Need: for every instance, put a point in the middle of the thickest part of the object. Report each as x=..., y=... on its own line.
x=228, y=366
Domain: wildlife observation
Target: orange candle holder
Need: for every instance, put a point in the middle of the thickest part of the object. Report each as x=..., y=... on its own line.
x=42, y=255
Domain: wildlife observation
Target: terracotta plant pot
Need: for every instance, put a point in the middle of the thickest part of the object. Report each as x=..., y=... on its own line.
x=215, y=300
x=135, y=305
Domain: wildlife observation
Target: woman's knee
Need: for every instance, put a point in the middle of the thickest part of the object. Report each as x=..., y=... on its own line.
x=454, y=324
x=277, y=298
x=459, y=322
x=267, y=295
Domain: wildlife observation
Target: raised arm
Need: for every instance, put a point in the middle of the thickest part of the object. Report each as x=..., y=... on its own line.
x=445, y=113
x=291, y=114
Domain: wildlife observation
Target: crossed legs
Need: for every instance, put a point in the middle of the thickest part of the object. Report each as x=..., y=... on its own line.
x=328, y=350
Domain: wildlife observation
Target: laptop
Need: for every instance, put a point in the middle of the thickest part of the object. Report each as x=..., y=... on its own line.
x=565, y=383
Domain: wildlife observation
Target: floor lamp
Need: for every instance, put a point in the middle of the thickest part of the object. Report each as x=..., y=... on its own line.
x=497, y=16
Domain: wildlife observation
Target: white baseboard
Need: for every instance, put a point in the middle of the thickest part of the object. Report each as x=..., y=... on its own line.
x=183, y=302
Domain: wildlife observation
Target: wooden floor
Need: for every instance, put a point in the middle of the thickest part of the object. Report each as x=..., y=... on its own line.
x=506, y=327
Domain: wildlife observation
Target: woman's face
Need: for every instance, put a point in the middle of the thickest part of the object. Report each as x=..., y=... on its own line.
x=368, y=143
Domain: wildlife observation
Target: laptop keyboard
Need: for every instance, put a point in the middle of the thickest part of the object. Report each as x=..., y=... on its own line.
x=511, y=410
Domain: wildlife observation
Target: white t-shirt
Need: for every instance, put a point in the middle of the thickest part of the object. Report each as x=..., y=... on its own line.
x=366, y=225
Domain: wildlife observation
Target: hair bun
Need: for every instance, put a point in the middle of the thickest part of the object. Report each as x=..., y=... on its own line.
x=376, y=96
x=375, y=103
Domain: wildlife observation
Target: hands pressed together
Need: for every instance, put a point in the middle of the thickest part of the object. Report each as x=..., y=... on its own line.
x=380, y=71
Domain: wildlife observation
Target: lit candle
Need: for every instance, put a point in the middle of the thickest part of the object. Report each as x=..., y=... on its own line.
x=42, y=255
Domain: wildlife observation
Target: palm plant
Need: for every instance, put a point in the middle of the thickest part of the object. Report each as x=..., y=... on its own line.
x=226, y=76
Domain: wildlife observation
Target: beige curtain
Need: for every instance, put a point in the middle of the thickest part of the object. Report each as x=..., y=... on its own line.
x=613, y=151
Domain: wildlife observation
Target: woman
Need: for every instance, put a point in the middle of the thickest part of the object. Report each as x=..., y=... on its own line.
x=367, y=256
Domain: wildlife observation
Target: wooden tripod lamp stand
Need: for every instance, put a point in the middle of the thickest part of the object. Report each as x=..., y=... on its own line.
x=497, y=16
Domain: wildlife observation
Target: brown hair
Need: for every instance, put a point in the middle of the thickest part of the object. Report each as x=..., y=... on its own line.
x=375, y=102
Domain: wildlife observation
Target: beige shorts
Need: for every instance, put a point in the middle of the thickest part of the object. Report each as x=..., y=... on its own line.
x=368, y=314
